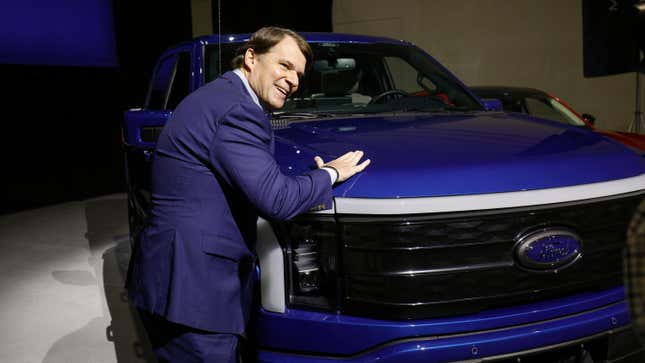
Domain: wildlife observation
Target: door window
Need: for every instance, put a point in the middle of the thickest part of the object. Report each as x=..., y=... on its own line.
x=170, y=83
x=180, y=86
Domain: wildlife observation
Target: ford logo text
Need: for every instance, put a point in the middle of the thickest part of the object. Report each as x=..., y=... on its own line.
x=548, y=249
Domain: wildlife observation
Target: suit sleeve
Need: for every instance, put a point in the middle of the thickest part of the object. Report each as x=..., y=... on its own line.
x=240, y=152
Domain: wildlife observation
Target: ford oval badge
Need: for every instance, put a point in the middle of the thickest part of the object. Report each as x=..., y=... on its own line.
x=548, y=249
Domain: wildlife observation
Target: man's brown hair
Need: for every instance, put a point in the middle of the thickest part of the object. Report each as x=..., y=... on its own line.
x=265, y=38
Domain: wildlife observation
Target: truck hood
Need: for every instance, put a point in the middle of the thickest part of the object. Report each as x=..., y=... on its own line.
x=427, y=155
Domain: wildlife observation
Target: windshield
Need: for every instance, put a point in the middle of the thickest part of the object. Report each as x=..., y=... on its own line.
x=366, y=78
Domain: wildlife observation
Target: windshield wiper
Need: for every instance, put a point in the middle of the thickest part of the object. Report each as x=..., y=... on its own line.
x=299, y=115
x=445, y=108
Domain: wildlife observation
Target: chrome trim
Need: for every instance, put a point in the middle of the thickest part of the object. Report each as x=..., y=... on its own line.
x=481, y=266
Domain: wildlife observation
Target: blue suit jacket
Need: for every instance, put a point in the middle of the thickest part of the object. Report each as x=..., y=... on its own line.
x=212, y=175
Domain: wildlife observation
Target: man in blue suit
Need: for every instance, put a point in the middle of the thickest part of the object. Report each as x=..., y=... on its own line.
x=213, y=174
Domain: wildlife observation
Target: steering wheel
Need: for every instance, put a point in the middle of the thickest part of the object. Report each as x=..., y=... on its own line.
x=390, y=92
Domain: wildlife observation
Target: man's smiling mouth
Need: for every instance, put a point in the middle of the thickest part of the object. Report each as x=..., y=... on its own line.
x=282, y=90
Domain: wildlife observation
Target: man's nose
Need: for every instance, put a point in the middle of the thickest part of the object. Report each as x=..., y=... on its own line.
x=292, y=79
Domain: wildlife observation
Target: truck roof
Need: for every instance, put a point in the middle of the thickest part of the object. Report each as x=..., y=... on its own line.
x=313, y=37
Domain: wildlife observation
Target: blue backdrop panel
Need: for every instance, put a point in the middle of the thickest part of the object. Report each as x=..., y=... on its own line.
x=64, y=32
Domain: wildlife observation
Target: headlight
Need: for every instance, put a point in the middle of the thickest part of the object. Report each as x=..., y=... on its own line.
x=311, y=254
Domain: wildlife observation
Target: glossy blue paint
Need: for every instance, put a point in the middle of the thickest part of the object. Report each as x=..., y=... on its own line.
x=421, y=155
x=429, y=349
x=345, y=335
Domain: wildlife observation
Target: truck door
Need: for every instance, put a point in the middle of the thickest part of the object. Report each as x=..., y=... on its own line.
x=172, y=80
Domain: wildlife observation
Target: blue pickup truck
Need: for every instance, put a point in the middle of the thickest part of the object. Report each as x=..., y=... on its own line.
x=474, y=236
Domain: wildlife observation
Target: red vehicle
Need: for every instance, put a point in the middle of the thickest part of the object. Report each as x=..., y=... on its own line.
x=545, y=105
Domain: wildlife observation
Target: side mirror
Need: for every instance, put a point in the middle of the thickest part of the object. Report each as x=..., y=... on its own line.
x=492, y=104
x=590, y=118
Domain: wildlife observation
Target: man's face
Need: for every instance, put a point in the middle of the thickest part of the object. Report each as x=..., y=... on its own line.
x=274, y=75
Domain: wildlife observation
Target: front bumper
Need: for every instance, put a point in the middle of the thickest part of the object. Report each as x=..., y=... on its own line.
x=615, y=346
x=594, y=319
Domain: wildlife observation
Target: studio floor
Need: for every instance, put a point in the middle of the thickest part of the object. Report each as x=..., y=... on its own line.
x=62, y=271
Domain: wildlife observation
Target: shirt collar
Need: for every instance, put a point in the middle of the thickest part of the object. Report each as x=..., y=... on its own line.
x=255, y=98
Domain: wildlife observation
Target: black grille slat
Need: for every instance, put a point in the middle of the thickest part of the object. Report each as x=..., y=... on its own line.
x=431, y=309
x=429, y=245
x=389, y=261
x=575, y=286
x=486, y=282
x=423, y=266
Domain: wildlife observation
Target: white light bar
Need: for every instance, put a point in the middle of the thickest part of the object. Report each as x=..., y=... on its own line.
x=462, y=203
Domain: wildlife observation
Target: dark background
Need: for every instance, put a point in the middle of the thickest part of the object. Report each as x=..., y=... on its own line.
x=62, y=123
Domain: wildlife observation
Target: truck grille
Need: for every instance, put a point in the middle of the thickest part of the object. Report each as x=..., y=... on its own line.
x=423, y=266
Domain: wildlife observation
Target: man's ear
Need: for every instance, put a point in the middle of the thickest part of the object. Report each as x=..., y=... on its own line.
x=250, y=58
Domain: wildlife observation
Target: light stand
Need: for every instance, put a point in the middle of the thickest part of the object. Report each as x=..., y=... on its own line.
x=638, y=123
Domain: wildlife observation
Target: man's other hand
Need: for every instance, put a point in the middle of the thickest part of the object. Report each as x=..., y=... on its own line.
x=346, y=165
